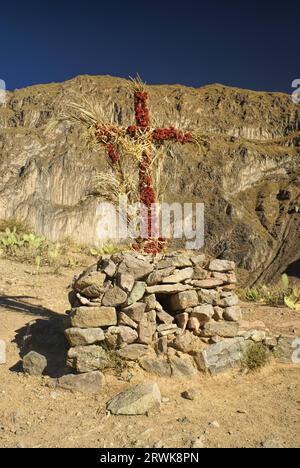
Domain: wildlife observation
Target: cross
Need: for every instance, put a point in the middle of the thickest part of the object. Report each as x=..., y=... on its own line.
x=107, y=135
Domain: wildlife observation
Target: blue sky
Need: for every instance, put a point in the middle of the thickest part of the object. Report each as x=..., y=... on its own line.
x=246, y=44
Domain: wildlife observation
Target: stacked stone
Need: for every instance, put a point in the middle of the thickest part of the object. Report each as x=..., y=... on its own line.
x=158, y=310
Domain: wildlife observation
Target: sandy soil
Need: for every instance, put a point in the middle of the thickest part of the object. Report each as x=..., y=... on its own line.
x=259, y=409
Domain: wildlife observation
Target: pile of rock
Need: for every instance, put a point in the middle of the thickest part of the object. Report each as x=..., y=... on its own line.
x=165, y=312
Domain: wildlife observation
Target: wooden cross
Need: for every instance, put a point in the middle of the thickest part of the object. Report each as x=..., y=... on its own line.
x=106, y=135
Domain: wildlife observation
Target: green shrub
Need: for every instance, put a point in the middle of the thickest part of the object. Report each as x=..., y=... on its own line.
x=256, y=356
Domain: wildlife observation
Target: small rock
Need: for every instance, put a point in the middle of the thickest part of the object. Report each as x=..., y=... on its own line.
x=232, y=314
x=116, y=337
x=114, y=297
x=197, y=442
x=150, y=302
x=34, y=363
x=108, y=267
x=137, y=400
x=125, y=281
x=214, y=424
x=137, y=292
x=179, y=275
x=198, y=259
x=127, y=321
x=157, y=276
x=189, y=394
x=203, y=313
x=182, y=300
x=147, y=327
x=135, y=311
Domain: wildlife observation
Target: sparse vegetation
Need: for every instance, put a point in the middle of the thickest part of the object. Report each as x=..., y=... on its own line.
x=19, y=242
x=256, y=356
x=274, y=295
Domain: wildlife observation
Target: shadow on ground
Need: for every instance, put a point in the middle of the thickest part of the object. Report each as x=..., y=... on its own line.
x=21, y=304
x=43, y=335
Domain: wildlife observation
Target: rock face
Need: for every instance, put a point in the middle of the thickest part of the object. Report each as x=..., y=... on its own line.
x=137, y=400
x=251, y=192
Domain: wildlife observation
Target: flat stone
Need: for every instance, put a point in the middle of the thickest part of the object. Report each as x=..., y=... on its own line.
x=125, y=281
x=221, y=356
x=170, y=331
x=160, y=367
x=137, y=292
x=182, y=320
x=135, y=311
x=139, y=268
x=127, y=321
x=229, y=301
x=137, y=400
x=93, y=317
x=157, y=276
x=116, y=337
x=88, y=358
x=84, y=336
x=207, y=283
x=91, y=382
x=221, y=265
x=203, y=312
x=208, y=296
x=163, y=327
x=114, y=297
x=133, y=352
x=224, y=329
x=95, y=278
x=180, y=260
x=179, y=275
x=147, y=327
x=182, y=300
x=167, y=288
x=34, y=363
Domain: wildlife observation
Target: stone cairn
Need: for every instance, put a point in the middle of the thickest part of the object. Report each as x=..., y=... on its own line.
x=174, y=314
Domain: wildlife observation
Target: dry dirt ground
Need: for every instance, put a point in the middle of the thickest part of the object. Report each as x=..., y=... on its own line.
x=259, y=409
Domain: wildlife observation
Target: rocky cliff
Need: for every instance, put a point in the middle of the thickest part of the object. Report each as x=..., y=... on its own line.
x=246, y=169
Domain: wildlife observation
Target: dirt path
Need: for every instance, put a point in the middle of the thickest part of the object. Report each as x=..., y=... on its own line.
x=254, y=410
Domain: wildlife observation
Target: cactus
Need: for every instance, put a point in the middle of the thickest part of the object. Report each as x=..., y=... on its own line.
x=292, y=301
